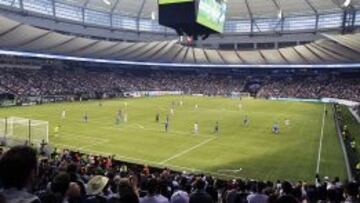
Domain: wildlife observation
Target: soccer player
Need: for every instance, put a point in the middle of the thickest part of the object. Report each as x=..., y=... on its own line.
x=276, y=128
x=125, y=117
x=119, y=115
x=196, y=128
x=117, y=119
x=287, y=122
x=56, y=130
x=85, y=118
x=217, y=128
x=246, y=121
x=63, y=114
x=172, y=111
x=166, y=125
x=196, y=106
x=167, y=118
x=181, y=103
x=157, y=117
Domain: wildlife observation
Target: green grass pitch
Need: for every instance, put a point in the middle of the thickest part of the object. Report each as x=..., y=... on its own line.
x=239, y=151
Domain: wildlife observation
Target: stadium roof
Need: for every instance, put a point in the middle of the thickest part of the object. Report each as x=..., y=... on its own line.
x=243, y=16
x=15, y=36
x=237, y=9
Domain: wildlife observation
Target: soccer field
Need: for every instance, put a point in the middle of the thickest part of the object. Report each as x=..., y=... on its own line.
x=251, y=151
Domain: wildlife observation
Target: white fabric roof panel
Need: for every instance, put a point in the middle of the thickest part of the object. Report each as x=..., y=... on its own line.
x=307, y=54
x=147, y=56
x=125, y=52
x=115, y=49
x=230, y=57
x=213, y=56
x=73, y=45
x=343, y=51
x=324, y=56
x=170, y=54
x=332, y=54
x=200, y=56
x=251, y=57
x=291, y=56
x=273, y=56
x=138, y=53
x=101, y=45
x=180, y=56
x=21, y=35
x=7, y=24
x=189, y=57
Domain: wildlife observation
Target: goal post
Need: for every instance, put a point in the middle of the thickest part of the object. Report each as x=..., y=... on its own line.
x=23, y=130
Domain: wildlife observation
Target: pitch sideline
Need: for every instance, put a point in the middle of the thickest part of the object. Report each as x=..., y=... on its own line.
x=320, y=143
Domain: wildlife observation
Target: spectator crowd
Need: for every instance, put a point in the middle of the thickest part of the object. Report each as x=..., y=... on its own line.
x=61, y=81
x=73, y=177
x=313, y=87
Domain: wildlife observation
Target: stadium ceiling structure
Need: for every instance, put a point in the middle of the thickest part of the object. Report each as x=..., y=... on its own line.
x=243, y=16
x=15, y=36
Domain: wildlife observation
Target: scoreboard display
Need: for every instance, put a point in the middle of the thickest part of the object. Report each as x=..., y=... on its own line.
x=193, y=17
x=211, y=14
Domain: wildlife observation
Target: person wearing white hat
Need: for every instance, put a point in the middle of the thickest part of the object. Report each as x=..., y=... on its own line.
x=96, y=185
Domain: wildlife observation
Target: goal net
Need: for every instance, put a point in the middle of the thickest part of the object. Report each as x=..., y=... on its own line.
x=24, y=130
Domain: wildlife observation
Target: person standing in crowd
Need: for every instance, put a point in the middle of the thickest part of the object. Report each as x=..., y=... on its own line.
x=18, y=169
x=199, y=195
x=153, y=195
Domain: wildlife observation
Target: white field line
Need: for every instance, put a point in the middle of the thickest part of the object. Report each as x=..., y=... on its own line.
x=144, y=161
x=78, y=136
x=320, y=143
x=187, y=150
x=93, y=144
x=140, y=126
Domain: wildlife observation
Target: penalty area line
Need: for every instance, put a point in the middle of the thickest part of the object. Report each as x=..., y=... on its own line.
x=186, y=151
x=320, y=143
x=140, y=126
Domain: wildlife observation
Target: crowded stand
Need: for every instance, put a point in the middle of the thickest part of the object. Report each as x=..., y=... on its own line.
x=99, y=84
x=67, y=176
x=313, y=87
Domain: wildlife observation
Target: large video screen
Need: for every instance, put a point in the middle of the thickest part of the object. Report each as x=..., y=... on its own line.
x=211, y=14
x=161, y=2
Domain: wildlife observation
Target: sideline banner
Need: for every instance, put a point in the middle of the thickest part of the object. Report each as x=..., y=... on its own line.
x=322, y=100
x=151, y=93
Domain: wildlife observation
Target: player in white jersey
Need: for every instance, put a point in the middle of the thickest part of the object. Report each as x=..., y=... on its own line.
x=63, y=114
x=125, y=117
x=196, y=106
x=287, y=122
x=196, y=128
x=172, y=111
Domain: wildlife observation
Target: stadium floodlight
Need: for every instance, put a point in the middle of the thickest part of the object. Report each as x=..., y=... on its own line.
x=346, y=3
x=107, y=2
x=153, y=15
x=280, y=14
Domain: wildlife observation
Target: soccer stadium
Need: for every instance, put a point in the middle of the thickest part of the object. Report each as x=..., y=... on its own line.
x=179, y=101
